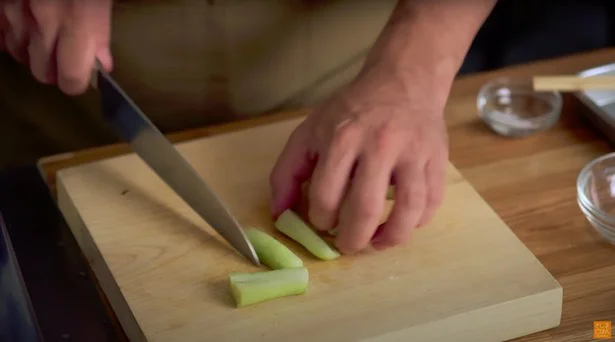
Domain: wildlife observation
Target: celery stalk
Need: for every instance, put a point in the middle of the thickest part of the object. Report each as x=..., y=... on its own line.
x=290, y=224
x=251, y=288
x=271, y=252
x=391, y=192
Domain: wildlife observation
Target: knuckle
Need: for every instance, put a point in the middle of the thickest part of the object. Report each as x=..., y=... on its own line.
x=319, y=220
x=321, y=203
x=384, y=137
x=296, y=136
x=345, y=136
x=410, y=198
x=368, y=208
x=41, y=14
x=12, y=14
x=322, y=206
x=403, y=197
x=398, y=236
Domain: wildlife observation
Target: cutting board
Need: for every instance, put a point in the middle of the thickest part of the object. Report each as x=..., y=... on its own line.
x=464, y=277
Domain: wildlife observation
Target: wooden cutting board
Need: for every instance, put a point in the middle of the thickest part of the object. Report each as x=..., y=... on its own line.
x=465, y=277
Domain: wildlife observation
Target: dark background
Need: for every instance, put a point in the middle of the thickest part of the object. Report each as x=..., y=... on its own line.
x=520, y=31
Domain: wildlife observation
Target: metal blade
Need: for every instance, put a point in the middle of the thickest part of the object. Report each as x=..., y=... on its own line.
x=158, y=152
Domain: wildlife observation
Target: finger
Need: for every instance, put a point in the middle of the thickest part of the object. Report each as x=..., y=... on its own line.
x=364, y=204
x=410, y=198
x=46, y=17
x=102, y=29
x=292, y=168
x=301, y=205
x=331, y=176
x=16, y=29
x=76, y=49
x=434, y=177
x=103, y=53
x=353, y=170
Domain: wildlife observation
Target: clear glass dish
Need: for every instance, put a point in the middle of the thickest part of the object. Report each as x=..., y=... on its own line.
x=511, y=107
x=596, y=195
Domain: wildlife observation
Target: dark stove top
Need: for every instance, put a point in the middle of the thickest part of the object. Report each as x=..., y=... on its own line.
x=46, y=292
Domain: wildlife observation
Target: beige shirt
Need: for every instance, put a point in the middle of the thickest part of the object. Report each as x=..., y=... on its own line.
x=189, y=63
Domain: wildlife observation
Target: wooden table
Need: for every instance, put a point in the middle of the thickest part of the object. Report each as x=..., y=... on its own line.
x=530, y=182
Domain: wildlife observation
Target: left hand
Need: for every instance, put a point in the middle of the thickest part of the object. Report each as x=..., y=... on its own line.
x=377, y=130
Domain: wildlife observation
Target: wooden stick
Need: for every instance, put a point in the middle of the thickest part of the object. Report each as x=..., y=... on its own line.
x=573, y=83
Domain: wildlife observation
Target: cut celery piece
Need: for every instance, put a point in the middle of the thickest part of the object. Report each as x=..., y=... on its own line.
x=251, y=288
x=290, y=224
x=391, y=193
x=272, y=252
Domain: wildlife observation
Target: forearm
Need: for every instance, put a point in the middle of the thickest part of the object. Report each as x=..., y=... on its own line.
x=429, y=39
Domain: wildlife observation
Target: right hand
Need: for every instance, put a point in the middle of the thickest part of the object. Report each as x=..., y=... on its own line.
x=58, y=40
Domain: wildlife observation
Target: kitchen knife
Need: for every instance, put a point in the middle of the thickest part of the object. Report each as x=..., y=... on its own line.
x=153, y=147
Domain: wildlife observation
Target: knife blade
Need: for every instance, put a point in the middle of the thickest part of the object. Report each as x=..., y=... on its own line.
x=133, y=126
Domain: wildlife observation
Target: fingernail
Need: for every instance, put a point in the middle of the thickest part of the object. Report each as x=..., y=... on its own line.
x=275, y=211
x=379, y=246
x=104, y=56
x=278, y=206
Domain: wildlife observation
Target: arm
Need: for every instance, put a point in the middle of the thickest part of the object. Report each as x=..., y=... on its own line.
x=429, y=39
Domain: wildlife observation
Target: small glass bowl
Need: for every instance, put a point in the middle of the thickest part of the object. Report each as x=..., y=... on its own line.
x=596, y=195
x=511, y=107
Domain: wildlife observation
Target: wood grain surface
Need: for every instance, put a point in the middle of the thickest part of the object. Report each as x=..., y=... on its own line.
x=529, y=182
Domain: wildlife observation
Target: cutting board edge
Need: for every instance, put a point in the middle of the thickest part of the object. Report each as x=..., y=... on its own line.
x=101, y=271
x=178, y=145
x=539, y=321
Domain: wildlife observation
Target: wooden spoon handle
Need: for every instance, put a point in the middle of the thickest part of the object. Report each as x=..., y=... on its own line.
x=573, y=83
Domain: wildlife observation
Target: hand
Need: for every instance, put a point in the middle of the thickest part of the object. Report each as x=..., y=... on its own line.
x=379, y=129
x=57, y=40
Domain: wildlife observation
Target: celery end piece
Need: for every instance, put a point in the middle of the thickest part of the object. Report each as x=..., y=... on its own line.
x=291, y=225
x=272, y=252
x=252, y=288
x=391, y=192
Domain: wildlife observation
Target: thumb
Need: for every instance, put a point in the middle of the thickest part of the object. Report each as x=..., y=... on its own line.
x=293, y=167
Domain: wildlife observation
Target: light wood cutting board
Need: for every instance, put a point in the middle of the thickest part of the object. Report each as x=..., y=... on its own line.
x=465, y=277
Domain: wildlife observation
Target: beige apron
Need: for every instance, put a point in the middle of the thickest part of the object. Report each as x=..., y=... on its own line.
x=189, y=63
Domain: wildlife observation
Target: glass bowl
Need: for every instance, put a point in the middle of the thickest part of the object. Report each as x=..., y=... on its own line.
x=511, y=107
x=596, y=195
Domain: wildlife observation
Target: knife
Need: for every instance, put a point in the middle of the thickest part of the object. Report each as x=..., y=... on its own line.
x=156, y=150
